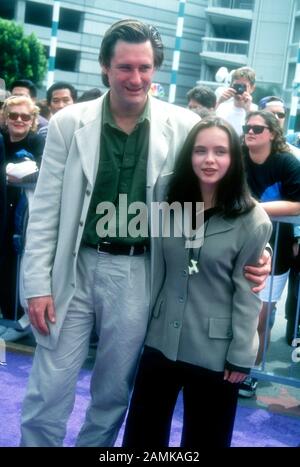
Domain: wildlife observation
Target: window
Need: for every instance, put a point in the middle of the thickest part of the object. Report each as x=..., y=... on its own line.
x=38, y=14
x=7, y=9
x=66, y=60
x=41, y=15
x=69, y=20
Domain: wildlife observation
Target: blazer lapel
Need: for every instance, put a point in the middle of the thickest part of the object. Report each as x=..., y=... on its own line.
x=216, y=225
x=161, y=135
x=88, y=139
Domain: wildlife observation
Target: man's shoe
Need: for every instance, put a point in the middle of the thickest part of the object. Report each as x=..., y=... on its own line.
x=248, y=387
x=12, y=335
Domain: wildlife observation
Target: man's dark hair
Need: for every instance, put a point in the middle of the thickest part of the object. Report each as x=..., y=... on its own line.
x=204, y=95
x=61, y=85
x=132, y=31
x=89, y=95
x=25, y=83
x=232, y=197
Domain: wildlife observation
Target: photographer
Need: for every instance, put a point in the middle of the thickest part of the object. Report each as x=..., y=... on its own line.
x=236, y=101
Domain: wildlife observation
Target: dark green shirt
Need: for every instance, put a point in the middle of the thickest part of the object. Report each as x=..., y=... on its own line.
x=122, y=171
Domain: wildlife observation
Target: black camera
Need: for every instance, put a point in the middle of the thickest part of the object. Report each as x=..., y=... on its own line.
x=239, y=88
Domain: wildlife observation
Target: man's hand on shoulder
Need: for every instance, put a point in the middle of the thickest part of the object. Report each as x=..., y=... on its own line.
x=259, y=274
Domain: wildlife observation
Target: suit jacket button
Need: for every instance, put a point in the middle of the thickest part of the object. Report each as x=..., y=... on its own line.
x=88, y=192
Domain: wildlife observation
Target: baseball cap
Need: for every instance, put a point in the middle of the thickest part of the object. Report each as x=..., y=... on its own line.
x=271, y=100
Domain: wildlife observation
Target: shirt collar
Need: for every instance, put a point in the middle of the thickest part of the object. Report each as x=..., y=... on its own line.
x=108, y=118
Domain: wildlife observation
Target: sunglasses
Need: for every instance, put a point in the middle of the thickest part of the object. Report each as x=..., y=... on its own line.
x=15, y=115
x=257, y=129
x=279, y=114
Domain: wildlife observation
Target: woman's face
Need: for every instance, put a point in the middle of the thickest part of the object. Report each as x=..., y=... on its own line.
x=211, y=157
x=19, y=121
x=255, y=140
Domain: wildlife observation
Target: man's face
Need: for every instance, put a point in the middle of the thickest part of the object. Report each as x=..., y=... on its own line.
x=193, y=104
x=249, y=88
x=60, y=99
x=20, y=91
x=278, y=111
x=130, y=74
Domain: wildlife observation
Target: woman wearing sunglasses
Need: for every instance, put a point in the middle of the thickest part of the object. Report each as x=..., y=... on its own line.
x=277, y=106
x=21, y=144
x=202, y=337
x=274, y=179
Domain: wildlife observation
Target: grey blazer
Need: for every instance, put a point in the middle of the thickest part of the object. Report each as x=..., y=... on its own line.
x=211, y=316
x=63, y=193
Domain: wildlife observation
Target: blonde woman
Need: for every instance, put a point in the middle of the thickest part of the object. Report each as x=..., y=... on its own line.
x=20, y=124
x=21, y=144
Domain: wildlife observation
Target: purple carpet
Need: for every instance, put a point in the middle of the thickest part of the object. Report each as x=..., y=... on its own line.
x=253, y=427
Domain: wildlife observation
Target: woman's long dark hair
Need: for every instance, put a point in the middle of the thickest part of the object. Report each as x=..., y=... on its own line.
x=232, y=196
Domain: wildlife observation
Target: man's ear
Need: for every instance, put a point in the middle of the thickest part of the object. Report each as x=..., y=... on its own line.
x=104, y=75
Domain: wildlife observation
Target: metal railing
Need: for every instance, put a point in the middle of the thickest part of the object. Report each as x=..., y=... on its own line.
x=225, y=46
x=232, y=4
x=289, y=368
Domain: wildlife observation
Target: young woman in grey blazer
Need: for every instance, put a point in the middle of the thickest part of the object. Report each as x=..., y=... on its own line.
x=202, y=337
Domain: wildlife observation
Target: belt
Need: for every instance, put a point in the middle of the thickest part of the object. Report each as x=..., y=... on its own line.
x=119, y=248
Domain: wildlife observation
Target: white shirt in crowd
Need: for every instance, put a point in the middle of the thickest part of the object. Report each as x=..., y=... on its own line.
x=236, y=116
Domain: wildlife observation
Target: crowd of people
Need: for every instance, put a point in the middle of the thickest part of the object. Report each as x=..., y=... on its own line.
x=23, y=130
x=171, y=312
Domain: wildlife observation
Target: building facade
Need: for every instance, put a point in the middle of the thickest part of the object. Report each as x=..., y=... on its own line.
x=256, y=33
x=263, y=34
x=82, y=24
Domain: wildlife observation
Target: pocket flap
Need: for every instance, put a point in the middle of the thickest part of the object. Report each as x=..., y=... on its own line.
x=220, y=328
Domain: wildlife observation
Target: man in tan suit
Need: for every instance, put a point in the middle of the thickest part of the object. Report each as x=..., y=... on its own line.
x=96, y=151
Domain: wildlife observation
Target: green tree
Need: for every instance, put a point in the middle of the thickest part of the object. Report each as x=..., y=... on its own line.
x=21, y=56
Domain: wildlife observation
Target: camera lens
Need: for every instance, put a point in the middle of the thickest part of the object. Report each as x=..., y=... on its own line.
x=239, y=88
